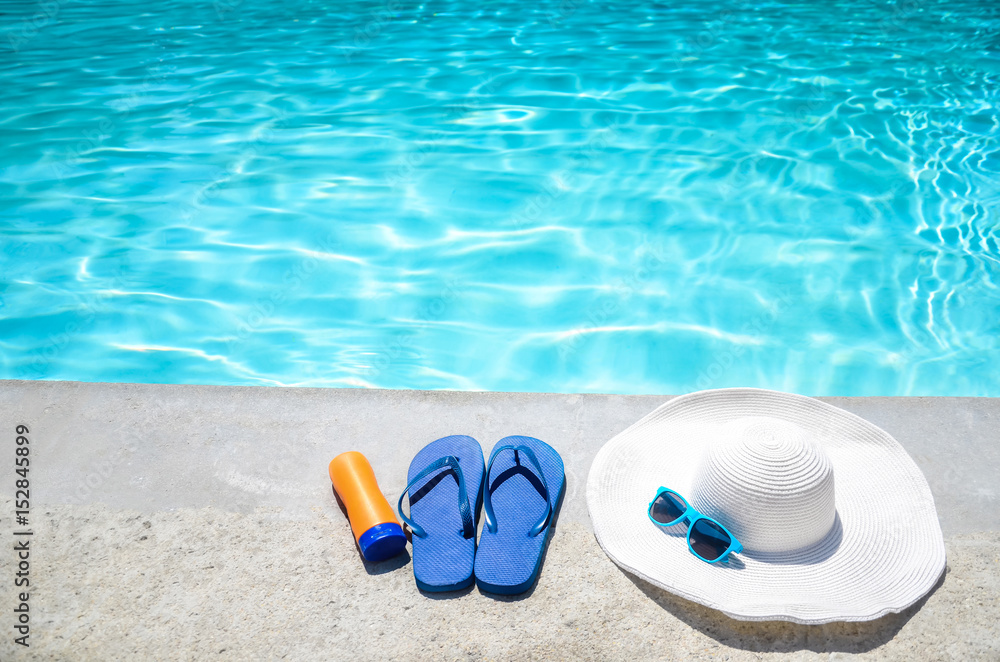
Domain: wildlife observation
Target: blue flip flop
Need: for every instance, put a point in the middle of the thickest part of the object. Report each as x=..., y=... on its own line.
x=445, y=487
x=524, y=487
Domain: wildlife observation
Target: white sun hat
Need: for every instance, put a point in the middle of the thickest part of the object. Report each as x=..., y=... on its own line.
x=836, y=520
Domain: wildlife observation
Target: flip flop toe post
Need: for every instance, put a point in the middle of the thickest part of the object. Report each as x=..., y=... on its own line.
x=522, y=492
x=444, y=485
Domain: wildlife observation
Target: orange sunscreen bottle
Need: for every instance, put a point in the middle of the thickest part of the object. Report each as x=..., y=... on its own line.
x=373, y=522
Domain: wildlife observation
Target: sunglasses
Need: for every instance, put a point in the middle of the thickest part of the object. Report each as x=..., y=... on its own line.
x=706, y=538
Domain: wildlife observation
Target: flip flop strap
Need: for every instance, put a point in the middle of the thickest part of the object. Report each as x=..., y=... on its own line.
x=491, y=519
x=450, y=461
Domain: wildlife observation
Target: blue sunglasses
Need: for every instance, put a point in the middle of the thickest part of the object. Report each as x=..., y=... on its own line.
x=706, y=538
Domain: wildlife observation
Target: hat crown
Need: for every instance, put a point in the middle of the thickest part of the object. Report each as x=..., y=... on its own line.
x=769, y=483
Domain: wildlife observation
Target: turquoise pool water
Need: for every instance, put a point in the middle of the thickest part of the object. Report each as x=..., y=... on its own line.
x=571, y=196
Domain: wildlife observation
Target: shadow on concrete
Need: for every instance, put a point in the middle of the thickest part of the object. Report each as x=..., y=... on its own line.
x=782, y=636
x=447, y=595
x=389, y=565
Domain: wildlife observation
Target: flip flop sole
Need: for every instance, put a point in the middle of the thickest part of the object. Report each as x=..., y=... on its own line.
x=444, y=560
x=444, y=588
x=509, y=561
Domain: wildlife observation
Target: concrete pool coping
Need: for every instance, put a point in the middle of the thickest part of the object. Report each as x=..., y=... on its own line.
x=177, y=522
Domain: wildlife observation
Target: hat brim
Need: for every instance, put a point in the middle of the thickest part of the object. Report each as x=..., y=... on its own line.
x=886, y=550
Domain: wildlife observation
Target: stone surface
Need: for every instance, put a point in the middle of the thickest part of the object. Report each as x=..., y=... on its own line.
x=185, y=522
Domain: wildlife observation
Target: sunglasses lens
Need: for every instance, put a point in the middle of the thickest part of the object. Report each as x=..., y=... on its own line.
x=708, y=540
x=667, y=508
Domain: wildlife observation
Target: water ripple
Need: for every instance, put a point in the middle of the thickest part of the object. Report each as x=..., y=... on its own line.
x=566, y=196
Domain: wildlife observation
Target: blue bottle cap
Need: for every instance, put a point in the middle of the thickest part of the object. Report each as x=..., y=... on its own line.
x=382, y=541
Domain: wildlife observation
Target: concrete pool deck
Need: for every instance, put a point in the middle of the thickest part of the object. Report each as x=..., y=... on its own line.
x=188, y=522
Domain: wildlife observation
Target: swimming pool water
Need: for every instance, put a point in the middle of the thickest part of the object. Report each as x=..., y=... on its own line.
x=569, y=196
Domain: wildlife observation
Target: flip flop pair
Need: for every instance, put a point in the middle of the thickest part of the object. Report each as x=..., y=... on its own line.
x=520, y=491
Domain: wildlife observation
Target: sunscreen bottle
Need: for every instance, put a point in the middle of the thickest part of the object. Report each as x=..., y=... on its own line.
x=373, y=522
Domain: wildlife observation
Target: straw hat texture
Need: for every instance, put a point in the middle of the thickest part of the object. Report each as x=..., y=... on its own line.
x=836, y=520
